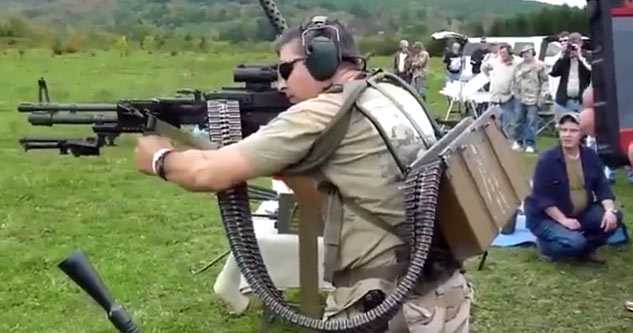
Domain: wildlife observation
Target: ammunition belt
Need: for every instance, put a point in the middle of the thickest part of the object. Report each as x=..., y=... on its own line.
x=421, y=191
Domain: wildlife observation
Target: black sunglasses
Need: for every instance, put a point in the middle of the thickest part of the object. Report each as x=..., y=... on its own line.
x=285, y=68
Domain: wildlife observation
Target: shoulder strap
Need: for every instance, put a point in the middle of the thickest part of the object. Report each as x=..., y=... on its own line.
x=334, y=210
x=373, y=219
x=329, y=140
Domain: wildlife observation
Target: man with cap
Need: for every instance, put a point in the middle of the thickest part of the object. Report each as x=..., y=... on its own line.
x=571, y=209
x=530, y=89
x=400, y=61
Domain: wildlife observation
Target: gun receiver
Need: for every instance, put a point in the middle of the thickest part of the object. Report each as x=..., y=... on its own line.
x=81, y=271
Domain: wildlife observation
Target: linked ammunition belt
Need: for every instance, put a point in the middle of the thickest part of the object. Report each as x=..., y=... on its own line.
x=420, y=192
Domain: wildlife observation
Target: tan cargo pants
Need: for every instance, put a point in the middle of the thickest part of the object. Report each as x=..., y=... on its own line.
x=443, y=310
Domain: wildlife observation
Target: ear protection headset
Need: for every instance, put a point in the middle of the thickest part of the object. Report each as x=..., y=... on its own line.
x=323, y=55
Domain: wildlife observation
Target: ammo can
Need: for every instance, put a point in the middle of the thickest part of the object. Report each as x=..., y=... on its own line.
x=482, y=187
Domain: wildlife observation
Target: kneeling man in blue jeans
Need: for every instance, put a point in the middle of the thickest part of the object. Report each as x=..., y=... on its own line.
x=571, y=209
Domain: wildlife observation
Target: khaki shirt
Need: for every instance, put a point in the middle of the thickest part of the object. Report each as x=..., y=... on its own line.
x=362, y=168
x=577, y=192
x=418, y=64
x=530, y=82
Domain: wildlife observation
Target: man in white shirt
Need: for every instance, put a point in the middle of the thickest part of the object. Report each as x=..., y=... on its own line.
x=500, y=70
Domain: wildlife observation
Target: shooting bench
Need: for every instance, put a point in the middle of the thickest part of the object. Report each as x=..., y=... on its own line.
x=291, y=244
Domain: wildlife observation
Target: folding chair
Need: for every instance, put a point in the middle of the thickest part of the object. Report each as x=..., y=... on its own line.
x=547, y=121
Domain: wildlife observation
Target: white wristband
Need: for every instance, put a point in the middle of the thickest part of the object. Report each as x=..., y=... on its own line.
x=157, y=155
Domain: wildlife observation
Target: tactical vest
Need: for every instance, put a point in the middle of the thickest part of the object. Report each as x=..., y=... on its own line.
x=406, y=131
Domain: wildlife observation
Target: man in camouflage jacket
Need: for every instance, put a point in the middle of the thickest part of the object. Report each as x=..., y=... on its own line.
x=530, y=88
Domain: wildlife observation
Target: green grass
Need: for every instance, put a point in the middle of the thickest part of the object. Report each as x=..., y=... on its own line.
x=144, y=235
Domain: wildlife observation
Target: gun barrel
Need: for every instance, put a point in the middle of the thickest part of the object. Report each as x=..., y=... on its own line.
x=49, y=119
x=40, y=145
x=34, y=107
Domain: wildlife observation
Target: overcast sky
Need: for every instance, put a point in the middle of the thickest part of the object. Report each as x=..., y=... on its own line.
x=569, y=2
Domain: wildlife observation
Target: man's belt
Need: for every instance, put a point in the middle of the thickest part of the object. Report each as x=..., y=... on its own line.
x=439, y=267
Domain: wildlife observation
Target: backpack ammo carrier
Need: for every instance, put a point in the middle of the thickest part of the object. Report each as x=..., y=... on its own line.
x=474, y=157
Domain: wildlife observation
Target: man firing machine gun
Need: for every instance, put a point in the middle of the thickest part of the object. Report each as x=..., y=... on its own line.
x=407, y=203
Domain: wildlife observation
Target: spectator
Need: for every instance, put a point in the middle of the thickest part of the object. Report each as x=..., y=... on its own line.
x=418, y=64
x=502, y=68
x=493, y=54
x=453, y=62
x=563, y=39
x=477, y=58
x=400, y=61
x=529, y=87
x=574, y=71
x=587, y=123
x=571, y=209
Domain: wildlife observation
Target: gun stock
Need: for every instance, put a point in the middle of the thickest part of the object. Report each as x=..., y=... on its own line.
x=81, y=271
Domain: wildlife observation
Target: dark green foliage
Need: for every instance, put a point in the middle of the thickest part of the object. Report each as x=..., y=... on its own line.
x=241, y=20
x=194, y=25
x=548, y=21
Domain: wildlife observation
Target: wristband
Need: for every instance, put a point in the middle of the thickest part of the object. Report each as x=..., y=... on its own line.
x=158, y=155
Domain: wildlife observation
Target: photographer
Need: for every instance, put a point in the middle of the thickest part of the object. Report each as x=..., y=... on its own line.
x=574, y=70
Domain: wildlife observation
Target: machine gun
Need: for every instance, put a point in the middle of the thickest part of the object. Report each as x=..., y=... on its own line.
x=258, y=103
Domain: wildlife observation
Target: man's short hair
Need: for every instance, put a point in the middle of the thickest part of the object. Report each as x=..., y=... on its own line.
x=575, y=38
x=347, y=46
x=563, y=34
x=505, y=46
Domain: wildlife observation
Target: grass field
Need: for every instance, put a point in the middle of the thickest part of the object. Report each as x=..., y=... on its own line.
x=144, y=235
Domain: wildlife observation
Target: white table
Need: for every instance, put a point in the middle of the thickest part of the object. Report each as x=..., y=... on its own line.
x=281, y=257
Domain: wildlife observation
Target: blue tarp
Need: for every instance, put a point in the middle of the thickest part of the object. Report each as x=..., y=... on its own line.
x=523, y=236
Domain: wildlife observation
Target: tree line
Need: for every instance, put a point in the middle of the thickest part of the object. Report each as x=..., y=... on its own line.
x=21, y=33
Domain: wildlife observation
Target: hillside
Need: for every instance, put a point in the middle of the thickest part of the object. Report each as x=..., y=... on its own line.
x=243, y=19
